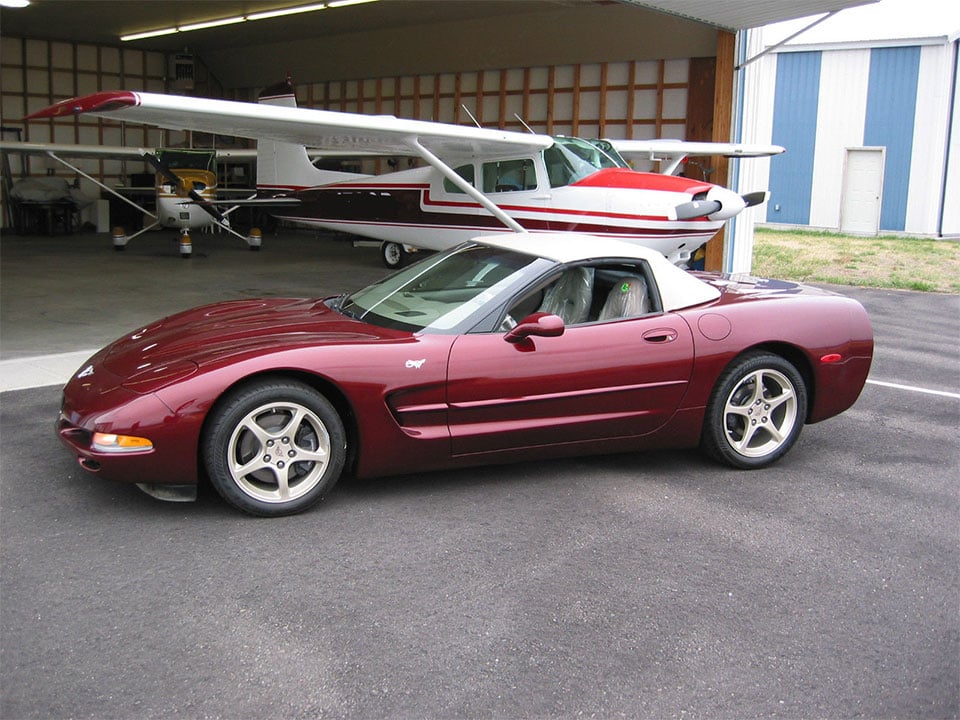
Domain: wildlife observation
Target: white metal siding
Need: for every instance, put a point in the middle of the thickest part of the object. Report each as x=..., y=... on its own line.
x=951, y=209
x=929, y=138
x=843, y=106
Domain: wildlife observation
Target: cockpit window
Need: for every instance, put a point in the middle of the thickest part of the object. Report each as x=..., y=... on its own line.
x=607, y=148
x=571, y=159
x=187, y=159
x=464, y=171
x=509, y=176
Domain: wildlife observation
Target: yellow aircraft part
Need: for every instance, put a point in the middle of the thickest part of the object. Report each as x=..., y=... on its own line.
x=203, y=181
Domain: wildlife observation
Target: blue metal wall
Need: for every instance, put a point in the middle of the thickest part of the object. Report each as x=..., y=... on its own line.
x=891, y=109
x=795, y=128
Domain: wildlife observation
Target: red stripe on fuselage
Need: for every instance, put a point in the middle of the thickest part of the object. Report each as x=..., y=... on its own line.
x=427, y=200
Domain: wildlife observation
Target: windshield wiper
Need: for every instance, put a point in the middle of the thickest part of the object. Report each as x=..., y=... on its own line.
x=338, y=304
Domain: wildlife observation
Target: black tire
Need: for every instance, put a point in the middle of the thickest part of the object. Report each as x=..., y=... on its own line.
x=756, y=411
x=393, y=254
x=274, y=447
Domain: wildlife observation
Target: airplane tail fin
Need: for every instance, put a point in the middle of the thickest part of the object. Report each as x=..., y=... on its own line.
x=285, y=166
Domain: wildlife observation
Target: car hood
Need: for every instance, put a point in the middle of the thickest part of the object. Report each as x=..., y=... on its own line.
x=213, y=333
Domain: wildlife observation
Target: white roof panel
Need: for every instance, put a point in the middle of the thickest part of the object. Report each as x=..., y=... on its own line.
x=742, y=14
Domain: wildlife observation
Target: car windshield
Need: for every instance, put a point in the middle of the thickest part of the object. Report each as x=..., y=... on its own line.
x=444, y=293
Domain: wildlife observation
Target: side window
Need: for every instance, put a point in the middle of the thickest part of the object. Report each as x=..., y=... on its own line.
x=589, y=294
x=509, y=176
x=559, y=171
x=466, y=172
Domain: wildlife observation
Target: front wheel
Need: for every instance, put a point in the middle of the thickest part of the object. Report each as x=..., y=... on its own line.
x=393, y=254
x=756, y=411
x=275, y=447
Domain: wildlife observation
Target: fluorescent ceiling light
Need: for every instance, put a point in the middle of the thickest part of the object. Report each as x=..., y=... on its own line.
x=265, y=15
x=14, y=3
x=286, y=11
x=148, y=34
x=212, y=23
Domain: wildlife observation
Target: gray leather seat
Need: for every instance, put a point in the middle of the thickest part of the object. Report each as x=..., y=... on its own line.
x=570, y=296
x=627, y=299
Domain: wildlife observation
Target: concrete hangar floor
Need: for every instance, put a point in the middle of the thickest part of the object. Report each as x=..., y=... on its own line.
x=646, y=585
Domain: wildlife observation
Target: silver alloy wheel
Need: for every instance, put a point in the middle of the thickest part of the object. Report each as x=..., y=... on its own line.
x=760, y=413
x=278, y=452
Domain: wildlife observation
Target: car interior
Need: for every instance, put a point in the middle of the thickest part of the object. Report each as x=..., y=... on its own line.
x=586, y=294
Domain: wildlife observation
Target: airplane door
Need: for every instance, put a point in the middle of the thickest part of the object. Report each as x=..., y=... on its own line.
x=600, y=380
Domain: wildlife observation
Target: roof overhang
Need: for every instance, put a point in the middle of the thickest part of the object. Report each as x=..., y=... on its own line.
x=736, y=15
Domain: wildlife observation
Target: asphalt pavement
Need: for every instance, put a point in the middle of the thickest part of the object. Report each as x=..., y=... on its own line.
x=642, y=585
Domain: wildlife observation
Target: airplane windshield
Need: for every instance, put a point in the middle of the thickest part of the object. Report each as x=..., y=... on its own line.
x=187, y=159
x=606, y=147
x=443, y=292
x=571, y=159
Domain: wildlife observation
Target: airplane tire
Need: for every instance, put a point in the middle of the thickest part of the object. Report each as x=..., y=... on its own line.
x=393, y=254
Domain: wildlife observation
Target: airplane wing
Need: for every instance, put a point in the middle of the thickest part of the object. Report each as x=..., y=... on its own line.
x=135, y=153
x=673, y=152
x=97, y=151
x=320, y=129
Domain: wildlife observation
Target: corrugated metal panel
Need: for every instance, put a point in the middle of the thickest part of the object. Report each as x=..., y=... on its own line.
x=929, y=139
x=843, y=107
x=795, y=109
x=740, y=14
x=951, y=208
x=891, y=109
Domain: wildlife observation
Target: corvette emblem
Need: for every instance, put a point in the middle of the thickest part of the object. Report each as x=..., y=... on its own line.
x=410, y=364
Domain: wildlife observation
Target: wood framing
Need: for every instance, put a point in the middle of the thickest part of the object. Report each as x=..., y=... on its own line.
x=722, y=119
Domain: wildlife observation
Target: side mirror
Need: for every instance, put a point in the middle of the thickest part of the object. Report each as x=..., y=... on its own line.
x=537, y=325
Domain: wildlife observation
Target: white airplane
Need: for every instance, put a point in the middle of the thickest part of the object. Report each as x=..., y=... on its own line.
x=476, y=180
x=186, y=187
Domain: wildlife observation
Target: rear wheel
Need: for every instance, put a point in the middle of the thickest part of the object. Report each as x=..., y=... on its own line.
x=756, y=411
x=275, y=447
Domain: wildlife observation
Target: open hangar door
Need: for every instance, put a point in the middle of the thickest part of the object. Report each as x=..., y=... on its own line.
x=627, y=69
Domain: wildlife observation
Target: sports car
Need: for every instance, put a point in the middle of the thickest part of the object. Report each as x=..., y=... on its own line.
x=516, y=347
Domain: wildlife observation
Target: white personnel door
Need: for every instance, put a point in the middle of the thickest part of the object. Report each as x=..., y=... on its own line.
x=862, y=190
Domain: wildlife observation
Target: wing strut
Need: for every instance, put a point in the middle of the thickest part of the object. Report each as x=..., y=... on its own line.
x=469, y=189
x=96, y=182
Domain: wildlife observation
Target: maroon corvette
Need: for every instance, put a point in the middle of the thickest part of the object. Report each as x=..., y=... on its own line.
x=517, y=347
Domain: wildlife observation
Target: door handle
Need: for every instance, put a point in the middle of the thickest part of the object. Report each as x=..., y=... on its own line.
x=660, y=335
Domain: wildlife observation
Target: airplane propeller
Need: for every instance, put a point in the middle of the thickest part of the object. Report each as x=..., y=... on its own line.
x=702, y=208
x=162, y=168
x=697, y=208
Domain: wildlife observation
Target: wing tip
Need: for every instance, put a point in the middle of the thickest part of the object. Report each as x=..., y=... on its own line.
x=97, y=102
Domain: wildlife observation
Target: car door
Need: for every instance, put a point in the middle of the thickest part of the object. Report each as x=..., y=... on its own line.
x=598, y=380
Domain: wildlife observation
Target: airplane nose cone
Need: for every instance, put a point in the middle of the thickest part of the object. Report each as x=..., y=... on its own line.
x=731, y=203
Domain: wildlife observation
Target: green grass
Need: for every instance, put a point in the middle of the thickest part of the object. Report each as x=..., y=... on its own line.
x=886, y=261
